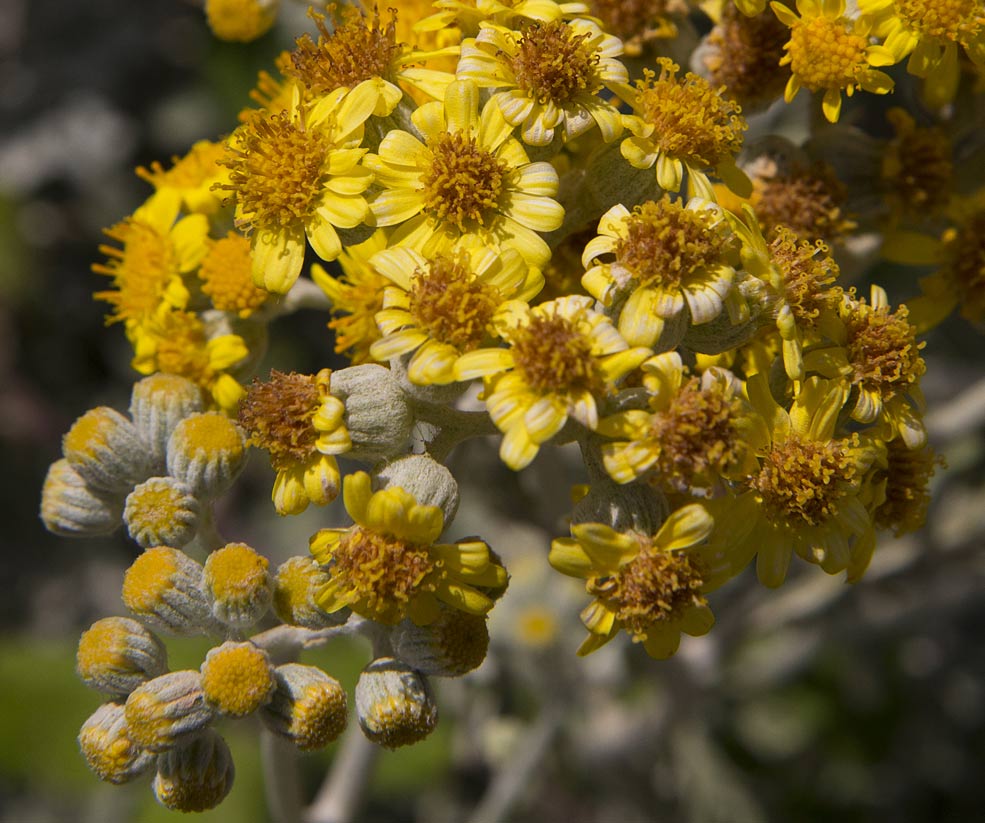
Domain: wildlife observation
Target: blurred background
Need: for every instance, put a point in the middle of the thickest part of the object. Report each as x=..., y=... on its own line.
x=817, y=702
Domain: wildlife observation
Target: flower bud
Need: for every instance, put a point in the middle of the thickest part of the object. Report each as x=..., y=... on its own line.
x=430, y=483
x=207, y=452
x=164, y=587
x=237, y=579
x=157, y=404
x=633, y=506
x=297, y=583
x=240, y=21
x=104, y=448
x=309, y=708
x=454, y=644
x=70, y=508
x=162, y=512
x=394, y=704
x=117, y=654
x=167, y=711
x=377, y=415
x=108, y=749
x=195, y=777
x=237, y=678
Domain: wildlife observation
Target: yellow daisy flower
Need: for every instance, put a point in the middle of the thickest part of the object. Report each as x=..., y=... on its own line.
x=804, y=496
x=158, y=250
x=469, y=176
x=469, y=15
x=191, y=176
x=563, y=358
x=552, y=74
x=929, y=32
x=651, y=586
x=297, y=421
x=830, y=52
x=876, y=355
x=639, y=23
x=682, y=124
x=226, y=273
x=387, y=566
x=356, y=295
x=667, y=257
x=296, y=174
x=439, y=308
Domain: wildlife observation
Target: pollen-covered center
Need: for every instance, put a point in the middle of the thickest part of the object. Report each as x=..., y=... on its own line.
x=158, y=503
x=665, y=243
x=801, y=481
x=381, y=570
x=358, y=49
x=182, y=347
x=554, y=355
x=147, y=580
x=806, y=200
x=277, y=414
x=964, y=250
x=451, y=304
x=277, y=169
x=826, y=54
x=554, y=65
x=943, y=19
x=807, y=272
x=882, y=350
x=226, y=275
x=141, y=270
x=691, y=120
x=464, y=181
x=655, y=587
x=696, y=434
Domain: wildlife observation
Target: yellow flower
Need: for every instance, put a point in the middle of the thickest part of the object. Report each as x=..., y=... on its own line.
x=563, y=358
x=688, y=438
x=639, y=23
x=917, y=168
x=240, y=21
x=296, y=174
x=297, y=421
x=830, y=52
x=651, y=586
x=468, y=15
x=680, y=124
x=191, y=176
x=158, y=249
x=387, y=566
x=468, y=177
x=177, y=342
x=804, y=496
x=930, y=31
x=227, y=276
x=876, y=355
x=666, y=257
x=356, y=295
x=442, y=307
x=552, y=74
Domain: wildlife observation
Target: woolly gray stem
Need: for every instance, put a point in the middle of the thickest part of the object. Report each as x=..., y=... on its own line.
x=342, y=792
x=282, y=784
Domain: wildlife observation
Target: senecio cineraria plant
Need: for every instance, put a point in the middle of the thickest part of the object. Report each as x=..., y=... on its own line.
x=532, y=226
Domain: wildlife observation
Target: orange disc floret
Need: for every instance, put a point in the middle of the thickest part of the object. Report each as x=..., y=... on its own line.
x=237, y=678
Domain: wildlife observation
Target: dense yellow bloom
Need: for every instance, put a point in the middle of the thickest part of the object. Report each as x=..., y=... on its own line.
x=191, y=176
x=830, y=52
x=469, y=176
x=387, y=566
x=550, y=75
x=651, y=586
x=297, y=421
x=442, y=307
x=227, y=276
x=296, y=174
x=563, y=358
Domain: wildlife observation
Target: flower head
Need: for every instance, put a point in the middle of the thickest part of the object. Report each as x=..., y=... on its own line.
x=107, y=748
x=237, y=580
x=308, y=707
x=394, y=704
x=237, y=678
x=191, y=177
x=227, y=276
x=240, y=21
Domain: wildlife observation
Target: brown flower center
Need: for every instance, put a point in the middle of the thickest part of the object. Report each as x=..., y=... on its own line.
x=554, y=355
x=464, y=181
x=554, y=65
x=883, y=350
x=277, y=414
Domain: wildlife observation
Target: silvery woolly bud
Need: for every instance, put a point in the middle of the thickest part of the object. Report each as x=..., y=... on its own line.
x=168, y=711
x=69, y=507
x=427, y=480
x=237, y=678
x=162, y=511
x=454, y=644
x=308, y=708
x=296, y=584
x=107, y=748
x=157, y=404
x=237, y=579
x=196, y=776
x=206, y=452
x=634, y=506
x=118, y=654
x=105, y=449
x=377, y=415
x=163, y=586
x=394, y=704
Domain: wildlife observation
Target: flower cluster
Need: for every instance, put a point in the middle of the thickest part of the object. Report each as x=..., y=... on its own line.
x=529, y=227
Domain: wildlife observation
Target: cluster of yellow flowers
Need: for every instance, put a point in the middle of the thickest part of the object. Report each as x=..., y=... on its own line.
x=530, y=223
